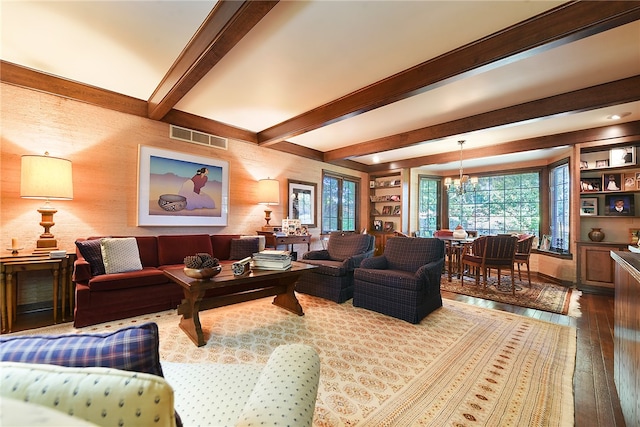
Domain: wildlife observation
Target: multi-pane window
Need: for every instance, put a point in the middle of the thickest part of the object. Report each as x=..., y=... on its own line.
x=428, y=205
x=499, y=204
x=559, y=214
x=340, y=195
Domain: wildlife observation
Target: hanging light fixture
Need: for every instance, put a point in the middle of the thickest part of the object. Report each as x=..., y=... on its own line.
x=464, y=183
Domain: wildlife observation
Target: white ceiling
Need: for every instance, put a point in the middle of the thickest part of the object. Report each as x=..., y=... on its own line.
x=302, y=55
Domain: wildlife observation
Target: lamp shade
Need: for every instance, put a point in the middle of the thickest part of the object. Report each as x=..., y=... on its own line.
x=268, y=192
x=46, y=177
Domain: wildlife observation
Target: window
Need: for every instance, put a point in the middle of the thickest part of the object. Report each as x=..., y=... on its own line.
x=500, y=204
x=340, y=195
x=428, y=205
x=559, y=201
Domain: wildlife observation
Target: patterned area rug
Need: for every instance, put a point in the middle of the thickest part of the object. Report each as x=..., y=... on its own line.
x=541, y=295
x=461, y=366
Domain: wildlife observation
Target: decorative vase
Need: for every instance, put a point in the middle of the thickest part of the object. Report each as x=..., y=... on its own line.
x=596, y=235
x=459, y=233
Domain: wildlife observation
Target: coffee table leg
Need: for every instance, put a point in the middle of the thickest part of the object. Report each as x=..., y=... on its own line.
x=190, y=321
x=288, y=300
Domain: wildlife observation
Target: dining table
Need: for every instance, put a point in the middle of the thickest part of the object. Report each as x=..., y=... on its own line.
x=455, y=247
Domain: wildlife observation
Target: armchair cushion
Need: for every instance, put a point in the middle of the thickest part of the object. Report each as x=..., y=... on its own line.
x=342, y=246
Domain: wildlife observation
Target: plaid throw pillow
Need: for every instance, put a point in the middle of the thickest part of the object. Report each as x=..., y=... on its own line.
x=91, y=251
x=242, y=248
x=134, y=348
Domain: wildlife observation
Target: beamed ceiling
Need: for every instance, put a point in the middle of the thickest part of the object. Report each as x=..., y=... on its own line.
x=371, y=85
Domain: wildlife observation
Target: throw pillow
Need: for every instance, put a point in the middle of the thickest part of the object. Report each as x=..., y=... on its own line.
x=92, y=252
x=242, y=248
x=120, y=255
x=134, y=348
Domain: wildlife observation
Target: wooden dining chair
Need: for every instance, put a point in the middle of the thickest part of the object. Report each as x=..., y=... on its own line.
x=492, y=252
x=523, y=253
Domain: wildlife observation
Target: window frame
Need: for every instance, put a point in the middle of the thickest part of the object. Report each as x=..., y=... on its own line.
x=340, y=216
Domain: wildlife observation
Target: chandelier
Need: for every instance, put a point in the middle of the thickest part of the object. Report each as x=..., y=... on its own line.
x=464, y=183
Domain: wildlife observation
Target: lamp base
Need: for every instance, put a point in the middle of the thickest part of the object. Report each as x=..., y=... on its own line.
x=267, y=216
x=44, y=246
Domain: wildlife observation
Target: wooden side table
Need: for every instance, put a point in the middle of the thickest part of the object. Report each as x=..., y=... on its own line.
x=294, y=240
x=11, y=266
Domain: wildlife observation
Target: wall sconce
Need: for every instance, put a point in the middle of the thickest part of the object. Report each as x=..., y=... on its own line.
x=464, y=183
x=268, y=194
x=48, y=178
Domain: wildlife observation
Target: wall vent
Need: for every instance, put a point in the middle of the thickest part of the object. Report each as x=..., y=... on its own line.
x=193, y=136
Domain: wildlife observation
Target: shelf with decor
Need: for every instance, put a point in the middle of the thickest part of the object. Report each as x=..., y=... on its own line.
x=387, y=198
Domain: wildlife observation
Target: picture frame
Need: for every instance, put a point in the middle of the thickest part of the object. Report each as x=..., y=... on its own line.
x=589, y=206
x=602, y=163
x=545, y=243
x=377, y=225
x=634, y=235
x=302, y=203
x=612, y=182
x=291, y=226
x=584, y=165
x=624, y=156
x=629, y=182
x=590, y=185
x=167, y=184
x=396, y=210
x=623, y=201
x=388, y=226
x=386, y=210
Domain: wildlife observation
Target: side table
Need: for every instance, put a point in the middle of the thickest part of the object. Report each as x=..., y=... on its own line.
x=11, y=266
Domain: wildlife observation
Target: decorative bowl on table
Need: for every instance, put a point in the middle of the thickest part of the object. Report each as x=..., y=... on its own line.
x=202, y=273
x=172, y=202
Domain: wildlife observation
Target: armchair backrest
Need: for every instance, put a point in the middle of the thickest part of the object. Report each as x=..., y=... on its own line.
x=409, y=254
x=500, y=250
x=346, y=245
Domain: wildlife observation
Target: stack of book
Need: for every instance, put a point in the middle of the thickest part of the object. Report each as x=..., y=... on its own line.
x=271, y=260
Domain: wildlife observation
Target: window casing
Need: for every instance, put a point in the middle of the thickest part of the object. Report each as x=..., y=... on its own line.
x=428, y=205
x=559, y=201
x=340, y=195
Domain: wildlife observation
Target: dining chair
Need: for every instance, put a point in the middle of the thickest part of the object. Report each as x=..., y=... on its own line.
x=492, y=252
x=523, y=253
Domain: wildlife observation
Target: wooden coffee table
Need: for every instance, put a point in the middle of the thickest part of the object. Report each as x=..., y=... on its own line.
x=225, y=289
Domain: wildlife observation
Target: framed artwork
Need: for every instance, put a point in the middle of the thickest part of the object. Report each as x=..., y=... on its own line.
x=634, y=235
x=292, y=226
x=625, y=156
x=602, y=163
x=589, y=206
x=629, y=181
x=584, y=165
x=388, y=226
x=590, y=184
x=612, y=182
x=302, y=202
x=396, y=210
x=545, y=243
x=386, y=210
x=377, y=225
x=178, y=189
x=619, y=205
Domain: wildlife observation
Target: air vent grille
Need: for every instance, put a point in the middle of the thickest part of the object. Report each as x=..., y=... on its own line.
x=193, y=136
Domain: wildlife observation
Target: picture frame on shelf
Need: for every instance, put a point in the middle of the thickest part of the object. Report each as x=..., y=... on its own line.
x=629, y=182
x=292, y=226
x=584, y=165
x=396, y=210
x=590, y=185
x=602, y=163
x=167, y=184
x=589, y=206
x=634, y=235
x=301, y=200
x=625, y=156
x=545, y=242
x=386, y=210
x=377, y=225
x=388, y=226
x=619, y=205
x=612, y=182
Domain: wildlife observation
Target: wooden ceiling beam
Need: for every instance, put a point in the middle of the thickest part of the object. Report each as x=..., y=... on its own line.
x=605, y=135
x=559, y=26
x=604, y=95
x=224, y=27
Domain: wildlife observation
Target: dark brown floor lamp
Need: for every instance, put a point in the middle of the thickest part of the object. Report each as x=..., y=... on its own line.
x=49, y=178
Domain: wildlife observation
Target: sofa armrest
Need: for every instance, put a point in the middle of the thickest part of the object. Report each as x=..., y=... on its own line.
x=355, y=261
x=81, y=271
x=377, y=262
x=317, y=255
x=286, y=391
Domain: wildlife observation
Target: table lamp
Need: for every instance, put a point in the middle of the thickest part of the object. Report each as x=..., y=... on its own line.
x=48, y=178
x=268, y=194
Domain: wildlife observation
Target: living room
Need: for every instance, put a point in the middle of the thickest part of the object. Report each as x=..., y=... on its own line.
x=103, y=146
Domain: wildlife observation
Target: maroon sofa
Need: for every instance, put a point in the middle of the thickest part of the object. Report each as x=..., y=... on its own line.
x=106, y=297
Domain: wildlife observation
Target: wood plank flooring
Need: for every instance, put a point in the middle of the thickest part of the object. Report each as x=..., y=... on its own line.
x=596, y=398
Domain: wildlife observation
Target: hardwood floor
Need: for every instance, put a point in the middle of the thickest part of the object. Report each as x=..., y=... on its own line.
x=596, y=398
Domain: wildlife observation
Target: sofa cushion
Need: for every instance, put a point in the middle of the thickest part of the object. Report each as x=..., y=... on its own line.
x=242, y=248
x=133, y=348
x=91, y=251
x=343, y=246
x=173, y=249
x=120, y=255
x=221, y=245
x=129, y=280
x=103, y=396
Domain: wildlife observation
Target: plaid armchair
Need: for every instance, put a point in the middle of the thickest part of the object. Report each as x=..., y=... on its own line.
x=404, y=282
x=333, y=279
